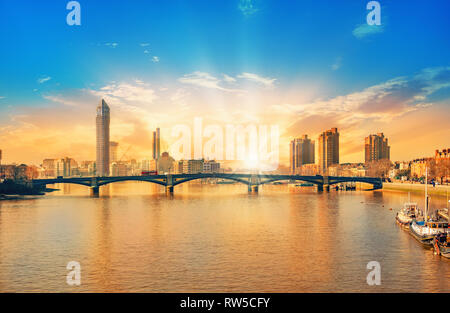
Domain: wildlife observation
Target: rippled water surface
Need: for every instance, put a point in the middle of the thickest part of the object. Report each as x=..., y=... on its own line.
x=213, y=238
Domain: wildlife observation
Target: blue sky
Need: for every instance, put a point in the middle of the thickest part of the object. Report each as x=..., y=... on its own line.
x=289, y=40
x=318, y=47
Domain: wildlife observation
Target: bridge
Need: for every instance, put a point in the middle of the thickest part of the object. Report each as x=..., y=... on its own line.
x=253, y=181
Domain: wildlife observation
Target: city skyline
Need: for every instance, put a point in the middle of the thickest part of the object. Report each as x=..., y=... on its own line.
x=236, y=67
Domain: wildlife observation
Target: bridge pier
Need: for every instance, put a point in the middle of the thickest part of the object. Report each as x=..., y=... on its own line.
x=319, y=187
x=327, y=187
x=169, y=190
x=95, y=191
x=253, y=188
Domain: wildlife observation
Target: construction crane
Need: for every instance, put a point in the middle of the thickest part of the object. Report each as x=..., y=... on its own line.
x=126, y=151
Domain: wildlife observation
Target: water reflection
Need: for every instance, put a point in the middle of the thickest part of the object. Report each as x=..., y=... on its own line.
x=213, y=238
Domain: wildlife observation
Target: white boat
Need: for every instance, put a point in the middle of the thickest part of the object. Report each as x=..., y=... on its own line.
x=407, y=214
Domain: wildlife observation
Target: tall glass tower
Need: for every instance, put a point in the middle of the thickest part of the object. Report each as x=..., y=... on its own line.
x=103, y=119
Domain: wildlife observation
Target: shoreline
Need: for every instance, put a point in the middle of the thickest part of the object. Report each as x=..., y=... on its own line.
x=439, y=190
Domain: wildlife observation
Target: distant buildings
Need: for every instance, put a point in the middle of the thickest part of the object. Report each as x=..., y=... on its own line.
x=103, y=146
x=376, y=148
x=419, y=166
x=211, y=166
x=328, y=149
x=165, y=163
x=66, y=167
x=443, y=155
x=113, y=149
x=302, y=151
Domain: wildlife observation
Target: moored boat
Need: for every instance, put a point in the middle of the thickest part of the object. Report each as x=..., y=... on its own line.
x=425, y=231
x=407, y=214
x=441, y=244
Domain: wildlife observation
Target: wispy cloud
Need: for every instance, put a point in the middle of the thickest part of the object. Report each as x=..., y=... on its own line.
x=137, y=92
x=111, y=44
x=43, y=79
x=247, y=7
x=203, y=79
x=228, y=79
x=381, y=102
x=266, y=81
x=365, y=30
x=155, y=59
x=337, y=64
x=61, y=99
x=144, y=44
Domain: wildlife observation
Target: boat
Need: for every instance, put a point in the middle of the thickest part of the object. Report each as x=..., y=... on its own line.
x=425, y=231
x=407, y=214
x=441, y=244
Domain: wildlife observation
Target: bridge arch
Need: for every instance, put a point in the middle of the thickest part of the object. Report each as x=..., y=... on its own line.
x=184, y=180
x=377, y=183
x=268, y=181
x=130, y=178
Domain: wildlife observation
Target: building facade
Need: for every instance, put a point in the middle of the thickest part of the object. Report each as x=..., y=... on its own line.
x=376, y=148
x=443, y=155
x=103, y=145
x=302, y=152
x=113, y=150
x=328, y=149
x=156, y=144
x=211, y=167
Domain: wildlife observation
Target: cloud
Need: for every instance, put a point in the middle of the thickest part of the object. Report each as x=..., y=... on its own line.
x=268, y=82
x=111, y=44
x=381, y=102
x=144, y=44
x=137, y=92
x=247, y=7
x=146, y=52
x=228, y=79
x=180, y=97
x=203, y=79
x=365, y=30
x=43, y=79
x=337, y=64
x=61, y=99
x=155, y=59
x=2, y=98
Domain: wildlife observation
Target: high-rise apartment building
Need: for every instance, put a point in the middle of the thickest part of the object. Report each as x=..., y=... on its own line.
x=302, y=152
x=103, y=121
x=156, y=144
x=376, y=148
x=328, y=149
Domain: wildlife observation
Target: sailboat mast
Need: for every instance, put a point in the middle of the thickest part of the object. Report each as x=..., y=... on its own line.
x=426, y=194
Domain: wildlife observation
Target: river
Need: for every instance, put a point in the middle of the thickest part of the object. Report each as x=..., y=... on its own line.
x=213, y=238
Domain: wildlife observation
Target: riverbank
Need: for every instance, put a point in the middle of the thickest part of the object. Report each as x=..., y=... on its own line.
x=439, y=190
x=16, y=197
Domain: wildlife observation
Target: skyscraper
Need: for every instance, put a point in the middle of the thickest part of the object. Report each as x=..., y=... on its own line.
x=302, y=151
x=376, y=148
x=328, y=149
x=156, y=144
x=103, y=120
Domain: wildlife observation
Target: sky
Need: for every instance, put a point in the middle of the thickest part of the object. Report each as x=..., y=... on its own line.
x=306, y=66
